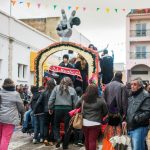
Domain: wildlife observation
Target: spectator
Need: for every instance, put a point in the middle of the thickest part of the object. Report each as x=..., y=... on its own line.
x=48, y=119
x=115, y=96
x=138, y=114
x=62, y=100
x=82, y=66
x=94, y=109
x=38, y=113
x=10, y=105
x=106, y=64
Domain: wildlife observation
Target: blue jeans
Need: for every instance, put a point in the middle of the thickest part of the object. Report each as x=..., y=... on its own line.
x=39, y=126
x=138, y=138
x=27, y=118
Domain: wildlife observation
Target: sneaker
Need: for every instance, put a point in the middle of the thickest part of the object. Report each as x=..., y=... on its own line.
x=35, y=141
x=41, y=140
x=80, y=144
x=58, y=145
x=46, y=143
x=75, y=144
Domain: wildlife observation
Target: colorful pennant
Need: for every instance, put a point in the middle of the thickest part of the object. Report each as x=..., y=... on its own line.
x=98, y=9
x=39, y=5
x=55, y=7
x=69, y=7
x=107, y=10
x=28, y=4
x=77, y=7
x=13, y=2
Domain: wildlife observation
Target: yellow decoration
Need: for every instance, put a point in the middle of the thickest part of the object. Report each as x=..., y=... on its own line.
x=33, y=55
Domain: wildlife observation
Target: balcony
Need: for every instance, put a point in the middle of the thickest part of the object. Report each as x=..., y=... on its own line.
x=139, y=55
x=140, y=33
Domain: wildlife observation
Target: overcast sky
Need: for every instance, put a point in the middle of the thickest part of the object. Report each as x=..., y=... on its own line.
x=100, y=27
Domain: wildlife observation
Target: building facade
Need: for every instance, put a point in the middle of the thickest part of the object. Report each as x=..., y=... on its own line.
x=17, y=41
x=138, y=44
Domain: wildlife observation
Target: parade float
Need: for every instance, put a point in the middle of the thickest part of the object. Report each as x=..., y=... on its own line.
x=64, y=30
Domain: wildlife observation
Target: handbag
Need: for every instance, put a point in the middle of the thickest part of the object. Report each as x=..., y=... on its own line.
x=121, y=142
x=77, y=122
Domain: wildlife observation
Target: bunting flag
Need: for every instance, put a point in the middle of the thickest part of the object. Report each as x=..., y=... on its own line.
x=28, y=4
x=69, y=7
x=39, y=5
x=107, y=10
x=84, y=8
x=55, y=7
x=77, y=7
x=13, y=2
x=98, y=9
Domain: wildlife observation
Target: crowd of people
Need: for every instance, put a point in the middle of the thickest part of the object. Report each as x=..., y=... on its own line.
x=45, y=110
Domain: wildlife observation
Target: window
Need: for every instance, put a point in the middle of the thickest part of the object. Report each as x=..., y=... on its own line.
x=140, y=52
x=22, y=71
x=141, y=29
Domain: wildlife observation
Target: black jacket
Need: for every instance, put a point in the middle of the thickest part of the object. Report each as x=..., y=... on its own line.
x=138, y=113
x=93, y=111
x=37, y=109
x=43, y=99
x=106, y=64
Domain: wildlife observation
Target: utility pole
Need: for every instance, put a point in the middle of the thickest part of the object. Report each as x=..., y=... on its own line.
x=10, y=54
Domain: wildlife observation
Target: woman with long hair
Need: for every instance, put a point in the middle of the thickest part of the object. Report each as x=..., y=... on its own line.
x=62, y=100
x=94, y=109
x=82, y=65
x=10, y=105
x=48, y=119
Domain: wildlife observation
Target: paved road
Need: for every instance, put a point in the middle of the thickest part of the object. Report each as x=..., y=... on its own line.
x=22, y=141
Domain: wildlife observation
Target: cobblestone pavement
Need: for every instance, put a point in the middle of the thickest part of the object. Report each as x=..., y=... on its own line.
x=20, y=141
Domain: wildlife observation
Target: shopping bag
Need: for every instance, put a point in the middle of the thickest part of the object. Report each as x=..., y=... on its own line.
x=107, y=145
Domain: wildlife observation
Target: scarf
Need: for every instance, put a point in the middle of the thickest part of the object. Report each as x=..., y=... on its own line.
x=135, y=93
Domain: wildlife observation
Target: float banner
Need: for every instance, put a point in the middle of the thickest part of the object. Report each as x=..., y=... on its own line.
x=70, y=71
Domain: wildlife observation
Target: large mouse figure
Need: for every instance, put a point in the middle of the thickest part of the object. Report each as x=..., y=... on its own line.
x=64, y=29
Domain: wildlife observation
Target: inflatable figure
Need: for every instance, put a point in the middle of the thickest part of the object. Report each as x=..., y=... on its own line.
x=64, y=29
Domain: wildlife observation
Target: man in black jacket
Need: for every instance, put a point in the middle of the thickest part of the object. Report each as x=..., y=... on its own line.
x=138, y=114
x=65, y=63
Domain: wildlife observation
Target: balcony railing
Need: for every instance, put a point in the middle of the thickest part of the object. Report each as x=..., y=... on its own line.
x=140, y=33
x=139, y=55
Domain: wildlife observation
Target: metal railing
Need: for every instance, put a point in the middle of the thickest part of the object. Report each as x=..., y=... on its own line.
x=139, y=55
x=140, y=33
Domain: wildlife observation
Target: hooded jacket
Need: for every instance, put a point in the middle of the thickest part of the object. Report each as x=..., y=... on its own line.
x=10, y=107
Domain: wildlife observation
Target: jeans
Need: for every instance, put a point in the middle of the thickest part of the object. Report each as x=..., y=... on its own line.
x=6, y=131
x=48, y=120
x=91, y=134
x=59, y=115
x=27, y=118
x=39, y=126
x=138, y=138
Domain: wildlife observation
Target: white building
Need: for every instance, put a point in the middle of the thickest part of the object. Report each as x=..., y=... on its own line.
x=138, y=44
x=17, y=40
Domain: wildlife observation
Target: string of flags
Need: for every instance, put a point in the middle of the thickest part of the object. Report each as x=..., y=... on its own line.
x=28, y=4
